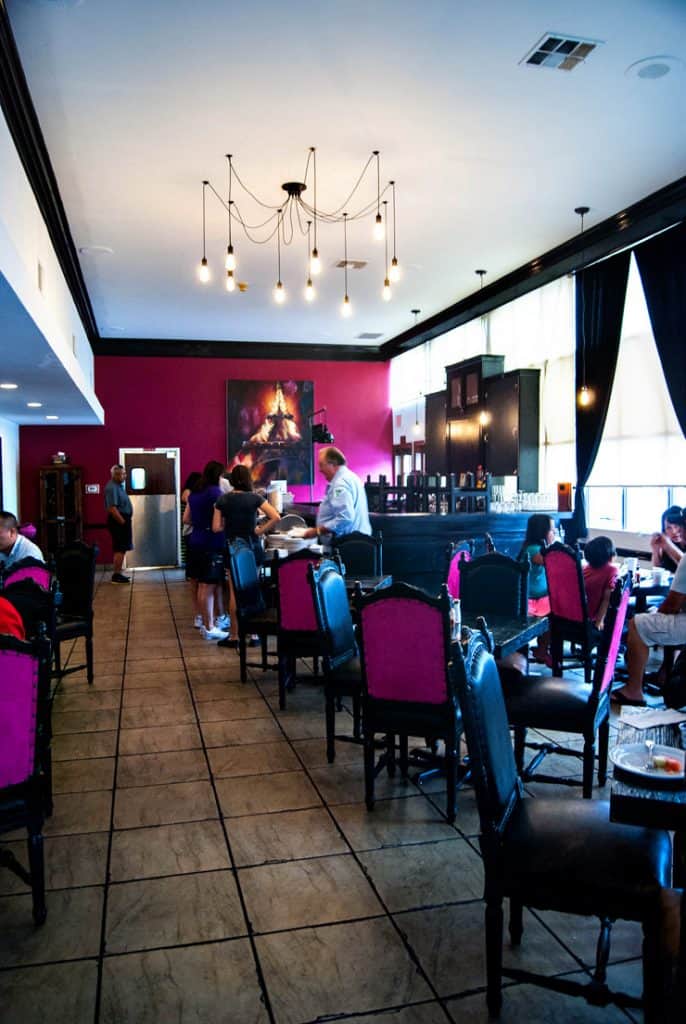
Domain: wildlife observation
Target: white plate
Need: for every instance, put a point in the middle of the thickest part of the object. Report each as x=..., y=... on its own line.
x=633, y=757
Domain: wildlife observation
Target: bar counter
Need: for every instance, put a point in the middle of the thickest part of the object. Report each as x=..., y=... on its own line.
x=416, y=544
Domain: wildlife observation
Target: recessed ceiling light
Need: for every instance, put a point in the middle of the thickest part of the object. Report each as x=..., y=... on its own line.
x=650, y=68
x=52, y=417
x=96, y=250
x=34, y=405
x=6, y=386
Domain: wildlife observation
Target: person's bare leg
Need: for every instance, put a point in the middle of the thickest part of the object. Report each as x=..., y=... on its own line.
x=232, y=611
x=206, y=603
x=219, y=599
x=117, y=562
x=637, y=654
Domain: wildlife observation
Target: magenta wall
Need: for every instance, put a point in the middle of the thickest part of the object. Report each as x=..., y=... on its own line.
x=155, y=402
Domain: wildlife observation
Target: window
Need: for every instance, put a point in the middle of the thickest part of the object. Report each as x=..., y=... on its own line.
x=138, y=479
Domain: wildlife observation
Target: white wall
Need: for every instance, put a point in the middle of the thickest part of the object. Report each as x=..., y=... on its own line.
x=24, y=244
x=9, y=433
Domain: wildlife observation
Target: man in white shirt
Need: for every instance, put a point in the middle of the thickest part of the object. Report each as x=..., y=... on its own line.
x=664, y=628
x=13, y=545
x=344, y=507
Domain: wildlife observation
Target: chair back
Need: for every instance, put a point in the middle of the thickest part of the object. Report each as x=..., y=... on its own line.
x=361, y=554
x=608, y=650
x=35, y=604
x=19, y=697
x=245, y=578
x=75, y=567
x=487, y=732
x=565, y=576
x=405, y=644
x=295, y=607
x=332, y=609
x=27, y=569
x=463, y=550
x=494, y=584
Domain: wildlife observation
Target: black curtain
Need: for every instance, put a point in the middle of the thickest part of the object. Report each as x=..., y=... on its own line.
x=600, y=295
x=662, y=266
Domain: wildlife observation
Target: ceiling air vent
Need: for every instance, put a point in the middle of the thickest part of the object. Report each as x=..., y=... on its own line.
x=369, y=336
x=560, y=52
x=351, y=264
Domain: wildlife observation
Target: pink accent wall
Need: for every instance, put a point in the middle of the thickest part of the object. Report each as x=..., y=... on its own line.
x=157, y=402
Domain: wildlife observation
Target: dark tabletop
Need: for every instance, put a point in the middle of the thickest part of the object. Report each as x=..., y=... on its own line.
x=634, y=802
x=509, y=633
x=367, y=583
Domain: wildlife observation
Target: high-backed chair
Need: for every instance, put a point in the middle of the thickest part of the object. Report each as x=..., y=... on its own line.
x=75, y=567
x=298, y=633
x=27, y=569
x=460, y=551
x=562, y=855
x=568, y=704
x=340, y=656
x=569, y=619
x=494, y=584
x=405, y=645
x=360, y=553
x=24, y=686
x=253, y=615
x=35, y=604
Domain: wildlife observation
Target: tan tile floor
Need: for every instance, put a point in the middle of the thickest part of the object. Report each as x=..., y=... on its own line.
x=205, y=864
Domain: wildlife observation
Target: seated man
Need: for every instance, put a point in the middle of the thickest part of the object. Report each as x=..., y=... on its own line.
x=664, y=628
x=13, y=546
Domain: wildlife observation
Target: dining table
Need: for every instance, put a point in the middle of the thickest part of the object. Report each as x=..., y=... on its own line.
x=652, y=803
x=647, y=587
x=509, y=632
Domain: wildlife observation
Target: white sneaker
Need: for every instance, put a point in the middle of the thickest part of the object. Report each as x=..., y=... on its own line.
x=223, y=622
x=197, y=622
x=213, y=634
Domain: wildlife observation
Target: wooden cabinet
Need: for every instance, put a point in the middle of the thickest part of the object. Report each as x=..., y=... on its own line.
x=61, y=511
x=466, y=383
x=510, y=430
x=435, y=433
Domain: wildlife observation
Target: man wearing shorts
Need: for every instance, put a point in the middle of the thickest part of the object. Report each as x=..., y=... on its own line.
x=119, y=512
x=664, y=628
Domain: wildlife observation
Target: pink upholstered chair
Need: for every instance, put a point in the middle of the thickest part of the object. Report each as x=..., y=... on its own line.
x=408, y=688
x=298, y=633
x=458, y=552
x=569, y=619
x=24, y=685
x=568, y=705
x=28, y=569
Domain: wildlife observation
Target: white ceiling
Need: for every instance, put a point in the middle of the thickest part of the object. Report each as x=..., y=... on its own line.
x=138, y=102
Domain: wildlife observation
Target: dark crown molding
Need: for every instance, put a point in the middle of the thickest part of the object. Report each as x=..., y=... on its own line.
x=660, y=210
x=22, y=121
x=184, y=349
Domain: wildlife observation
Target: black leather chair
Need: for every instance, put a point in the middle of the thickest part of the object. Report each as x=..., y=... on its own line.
x=360, y=553
x=253, y=615
x=569, y=704
x=340, y=657
x=75, y=568
x=405, y=646
x=24, y=707
x=494, y=584
x=562, y=855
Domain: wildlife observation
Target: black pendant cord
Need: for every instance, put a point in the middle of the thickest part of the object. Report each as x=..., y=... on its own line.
x=228, y=157
x=278, y=245
x=385, y=224
x=204, y=186
x=582, y=211
x=314, y=165
x=345, y=251
x=378, y=183
x=395, y=255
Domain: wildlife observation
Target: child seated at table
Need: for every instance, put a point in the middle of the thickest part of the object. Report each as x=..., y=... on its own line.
x=540, y=532
x=600, y=575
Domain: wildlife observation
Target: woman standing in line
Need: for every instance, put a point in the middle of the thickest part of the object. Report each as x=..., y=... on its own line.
x=206, y=550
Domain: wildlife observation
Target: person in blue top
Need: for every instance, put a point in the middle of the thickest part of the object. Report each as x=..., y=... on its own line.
x=14, y=546
x=119, y=512
x=540, y=532
x=344, y=507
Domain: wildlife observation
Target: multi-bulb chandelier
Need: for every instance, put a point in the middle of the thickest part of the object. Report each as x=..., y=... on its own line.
x=293, y=216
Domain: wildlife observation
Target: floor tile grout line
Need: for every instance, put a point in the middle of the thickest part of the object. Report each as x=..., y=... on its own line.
x=108, y=858
x=414, y=958
x=261, y=980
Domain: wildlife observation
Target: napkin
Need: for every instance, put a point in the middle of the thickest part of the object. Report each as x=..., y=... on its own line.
x=649, y=718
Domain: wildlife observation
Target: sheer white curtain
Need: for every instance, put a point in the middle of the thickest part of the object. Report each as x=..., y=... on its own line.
x=642, y=441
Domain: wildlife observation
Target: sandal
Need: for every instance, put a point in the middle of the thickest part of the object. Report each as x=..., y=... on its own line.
x=626, y=702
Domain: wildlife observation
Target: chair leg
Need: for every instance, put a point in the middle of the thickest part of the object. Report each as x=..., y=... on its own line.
x=283, y=678
x=264, y=644
x=242, y=649
x=357, y=716
x=451, y=759
x=602, y=954
x=556, y=644
x=315, y=665
x=404, y=755
x=603, y=744
x=36, y=865
x=390, y=754
x=330, y=711
x=89, y=659
x=519, y=747
x=589, y=764
x=57, y=656
x=494, y=956
x=516, y=921
x=369, y=770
